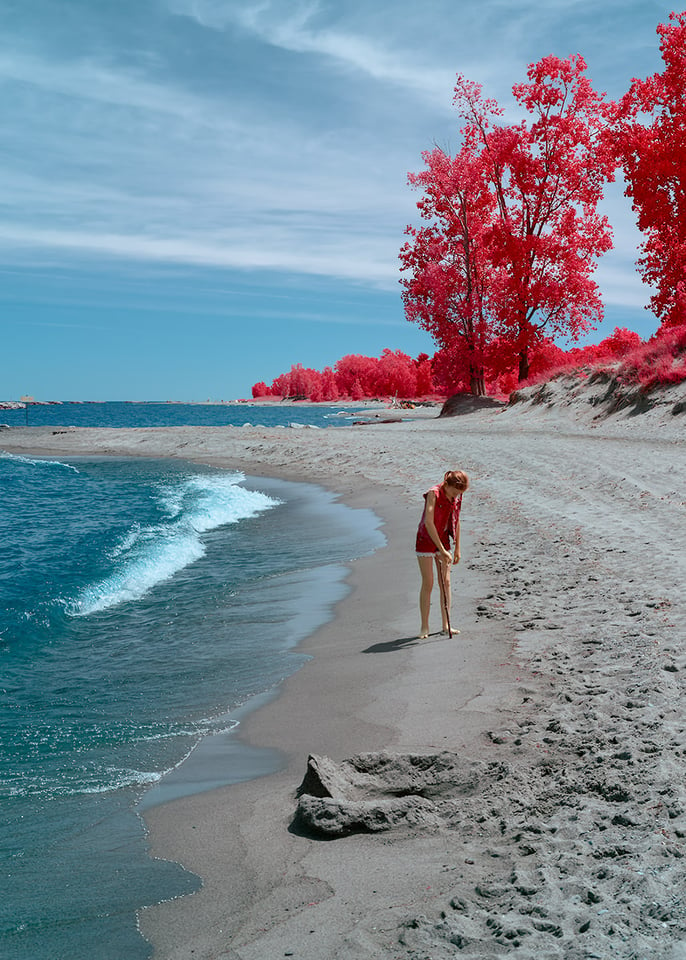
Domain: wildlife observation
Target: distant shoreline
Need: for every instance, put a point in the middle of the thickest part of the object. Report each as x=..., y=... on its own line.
x=257, y=402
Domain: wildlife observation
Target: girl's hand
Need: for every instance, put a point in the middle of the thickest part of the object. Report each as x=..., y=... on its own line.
x=456, y=557
x=445, y=557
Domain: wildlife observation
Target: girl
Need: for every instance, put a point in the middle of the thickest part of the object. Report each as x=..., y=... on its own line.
x=439, y=524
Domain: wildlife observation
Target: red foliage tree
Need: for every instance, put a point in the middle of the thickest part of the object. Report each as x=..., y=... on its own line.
x=396, y=375
x=425, y=384
x=447, y=262
x=548, y=177
x=393, y=374
x=450, y=372
x=298, y=382
x=355, y=369
x=653, y=155
x=515, y=233
x=261, y=390
x=329, y=387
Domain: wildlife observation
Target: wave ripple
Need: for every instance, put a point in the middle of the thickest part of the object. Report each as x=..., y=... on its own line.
x=147, y=555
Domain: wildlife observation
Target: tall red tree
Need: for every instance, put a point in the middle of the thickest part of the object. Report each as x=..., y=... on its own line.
x=548, y=175
x=396, y=375
x=528, y=193
x=651, y=142
x=447, y=262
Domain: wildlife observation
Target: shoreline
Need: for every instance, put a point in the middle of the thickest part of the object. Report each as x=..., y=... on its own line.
x=339, y=703
x=320, y=589
x=561, y=698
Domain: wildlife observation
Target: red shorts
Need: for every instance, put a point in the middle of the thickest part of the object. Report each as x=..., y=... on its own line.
x=424, y=543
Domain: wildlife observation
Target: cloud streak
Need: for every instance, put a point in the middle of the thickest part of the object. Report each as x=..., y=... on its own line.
x=328, y=259
x=366, y=55
x=240, y=160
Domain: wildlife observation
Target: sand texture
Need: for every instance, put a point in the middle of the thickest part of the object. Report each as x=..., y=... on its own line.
x=519, y=789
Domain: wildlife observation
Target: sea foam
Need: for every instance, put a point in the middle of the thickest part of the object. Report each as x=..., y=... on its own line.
x=32, y=461
x=146, y=555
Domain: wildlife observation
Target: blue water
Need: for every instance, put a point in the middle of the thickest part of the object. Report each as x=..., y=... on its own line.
x=119, y=414
x=143, y=601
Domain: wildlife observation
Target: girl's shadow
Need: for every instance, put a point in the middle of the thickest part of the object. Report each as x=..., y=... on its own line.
x=391, y=646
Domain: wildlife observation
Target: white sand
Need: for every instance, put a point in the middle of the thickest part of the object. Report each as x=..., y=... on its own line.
x=563, y=696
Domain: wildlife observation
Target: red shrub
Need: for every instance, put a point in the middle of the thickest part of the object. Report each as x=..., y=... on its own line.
x=425, y=384
x=329, y=387
x=355, y=369
x=261, y=390
x=450, y=371
x=393, y=374
x=298, y=382
x=661, y=360
x=396, y=375
x=356, y=391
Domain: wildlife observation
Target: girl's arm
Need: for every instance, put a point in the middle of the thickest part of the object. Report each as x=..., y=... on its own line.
x=456, y=552
x=430, y=525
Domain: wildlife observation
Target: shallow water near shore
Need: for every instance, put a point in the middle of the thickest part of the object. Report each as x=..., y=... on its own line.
x=143, y=603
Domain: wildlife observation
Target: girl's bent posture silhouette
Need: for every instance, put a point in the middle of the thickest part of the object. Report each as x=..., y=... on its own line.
x=439, y=525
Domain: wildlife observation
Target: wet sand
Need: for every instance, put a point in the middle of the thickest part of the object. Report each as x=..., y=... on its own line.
x=559, y=828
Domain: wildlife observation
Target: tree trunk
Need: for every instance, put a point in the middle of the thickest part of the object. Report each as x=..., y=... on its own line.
x=523, y=365
x=476, y=382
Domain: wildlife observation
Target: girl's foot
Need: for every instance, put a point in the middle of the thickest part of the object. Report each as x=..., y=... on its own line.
x=423, y=634
x=453, y=632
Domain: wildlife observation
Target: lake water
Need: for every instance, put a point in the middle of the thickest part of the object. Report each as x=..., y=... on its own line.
x=144, y=604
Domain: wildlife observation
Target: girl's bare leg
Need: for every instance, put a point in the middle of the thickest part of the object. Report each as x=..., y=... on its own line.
x=426, y=567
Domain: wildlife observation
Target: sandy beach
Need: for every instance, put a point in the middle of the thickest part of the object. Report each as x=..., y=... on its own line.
x=519, y=788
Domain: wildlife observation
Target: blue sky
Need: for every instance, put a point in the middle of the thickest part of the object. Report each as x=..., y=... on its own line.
x=198, y=193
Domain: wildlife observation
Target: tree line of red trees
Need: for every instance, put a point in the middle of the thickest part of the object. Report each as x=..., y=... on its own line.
x=659, y=360
x=503, y=265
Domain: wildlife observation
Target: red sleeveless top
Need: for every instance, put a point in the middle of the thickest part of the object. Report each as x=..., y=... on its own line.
x=446, y=515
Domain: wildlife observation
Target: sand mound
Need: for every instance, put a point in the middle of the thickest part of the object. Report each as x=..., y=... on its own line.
x=602, y=395
x=373, y=792
x=463, y=403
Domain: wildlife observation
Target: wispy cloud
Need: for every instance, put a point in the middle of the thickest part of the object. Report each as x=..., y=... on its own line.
x=114, y=164
x=298, y=33
x=233, y=162
x=89, y=79
x=328, y=258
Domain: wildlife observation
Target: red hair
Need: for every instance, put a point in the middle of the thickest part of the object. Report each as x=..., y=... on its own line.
x=457, y=479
